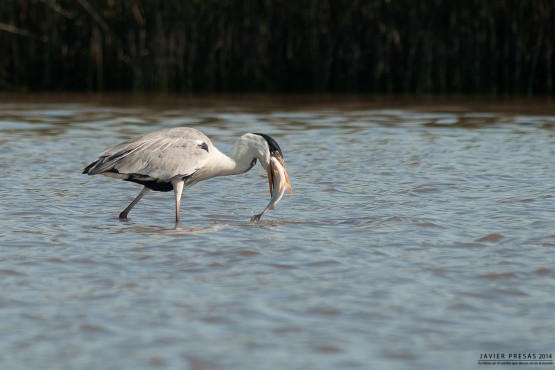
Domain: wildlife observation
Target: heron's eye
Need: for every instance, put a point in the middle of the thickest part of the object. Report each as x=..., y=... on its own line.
x=203, y=146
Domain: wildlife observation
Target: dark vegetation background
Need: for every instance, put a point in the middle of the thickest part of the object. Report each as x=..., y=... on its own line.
x=494, y=47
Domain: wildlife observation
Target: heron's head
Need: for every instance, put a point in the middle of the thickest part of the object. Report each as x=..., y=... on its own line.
x=263, y=148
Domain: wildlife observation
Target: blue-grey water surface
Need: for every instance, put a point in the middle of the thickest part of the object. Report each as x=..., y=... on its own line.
x=418, y=236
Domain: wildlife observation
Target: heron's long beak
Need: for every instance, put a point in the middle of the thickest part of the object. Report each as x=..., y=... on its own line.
x=272, y=172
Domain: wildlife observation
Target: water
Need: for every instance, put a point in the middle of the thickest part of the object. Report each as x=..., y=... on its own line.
x=418, y=236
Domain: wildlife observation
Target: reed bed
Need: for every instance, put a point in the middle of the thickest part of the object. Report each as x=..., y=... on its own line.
x=494, y=47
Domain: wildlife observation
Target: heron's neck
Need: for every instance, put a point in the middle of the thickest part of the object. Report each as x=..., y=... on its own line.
x=239, y=162
x=247, y=148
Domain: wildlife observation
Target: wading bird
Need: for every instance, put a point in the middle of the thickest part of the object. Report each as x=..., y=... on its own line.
x=176, y=158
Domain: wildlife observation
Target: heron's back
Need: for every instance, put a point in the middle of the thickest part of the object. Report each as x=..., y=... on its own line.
x=157, y=156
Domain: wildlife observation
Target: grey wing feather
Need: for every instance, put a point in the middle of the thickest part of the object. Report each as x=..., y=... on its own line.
x=160, y=155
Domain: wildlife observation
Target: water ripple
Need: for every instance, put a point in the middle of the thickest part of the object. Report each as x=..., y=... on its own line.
x=418, y=236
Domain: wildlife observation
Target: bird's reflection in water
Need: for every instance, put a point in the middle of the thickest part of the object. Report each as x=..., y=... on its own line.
x=177, y=229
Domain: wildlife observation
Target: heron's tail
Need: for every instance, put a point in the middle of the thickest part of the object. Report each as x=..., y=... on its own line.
x=86, y=169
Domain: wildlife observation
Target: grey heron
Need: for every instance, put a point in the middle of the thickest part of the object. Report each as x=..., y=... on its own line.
x=176, y=158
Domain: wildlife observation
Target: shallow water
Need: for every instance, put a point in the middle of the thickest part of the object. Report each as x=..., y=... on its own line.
x=418, y=236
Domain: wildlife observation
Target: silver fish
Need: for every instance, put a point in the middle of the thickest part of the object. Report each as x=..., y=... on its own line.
x=278, y=181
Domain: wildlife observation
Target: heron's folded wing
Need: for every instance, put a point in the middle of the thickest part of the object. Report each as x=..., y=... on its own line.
x=161, y=158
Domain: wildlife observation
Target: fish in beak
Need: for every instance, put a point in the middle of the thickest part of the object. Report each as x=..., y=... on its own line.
x=278, y=180
x=273, y=170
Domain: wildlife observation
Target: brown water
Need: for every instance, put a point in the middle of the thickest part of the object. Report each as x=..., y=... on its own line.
x=420, y=235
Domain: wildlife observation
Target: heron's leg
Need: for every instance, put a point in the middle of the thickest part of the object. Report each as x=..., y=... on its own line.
x=178, y=190
x=135, y=201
